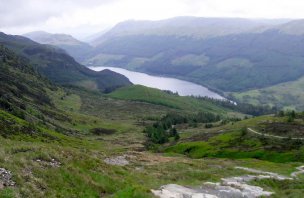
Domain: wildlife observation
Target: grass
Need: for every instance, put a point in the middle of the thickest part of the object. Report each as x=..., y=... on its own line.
x=158, y=97
x=65, y=101
x=83, y=173
x=231, y=141
x=285, y=188
x=289, y=95
x=59, y=129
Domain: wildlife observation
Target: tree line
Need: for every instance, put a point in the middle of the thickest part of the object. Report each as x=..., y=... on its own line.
x=162, y=130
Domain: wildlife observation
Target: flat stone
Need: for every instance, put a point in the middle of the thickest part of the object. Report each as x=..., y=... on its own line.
x=231, y=187
x=118, y=161
x=177, y=191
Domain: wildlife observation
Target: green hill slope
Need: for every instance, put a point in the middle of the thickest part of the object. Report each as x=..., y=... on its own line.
x=155, y=96
x=58, y=142
x=59, y=67
x=285, y=95
x=238, y=141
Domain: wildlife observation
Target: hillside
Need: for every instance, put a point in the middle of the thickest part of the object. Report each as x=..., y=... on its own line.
x=229, y=63
x=275, y=138
x=158, y=97
x=256, y=55
x=67, y=142
x=72, y=46
x=287, y=95
x=20, y=84
x=294, y=27
x=61, y=68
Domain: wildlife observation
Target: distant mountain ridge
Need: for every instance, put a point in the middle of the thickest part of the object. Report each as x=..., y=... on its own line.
x=198, y=27
x=72, y=46
x=295, y=27
x=225, y=54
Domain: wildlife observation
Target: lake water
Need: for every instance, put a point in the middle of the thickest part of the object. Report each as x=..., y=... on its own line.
x=183, y=88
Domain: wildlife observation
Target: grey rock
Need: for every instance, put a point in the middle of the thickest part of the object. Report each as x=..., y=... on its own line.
x=6, y=178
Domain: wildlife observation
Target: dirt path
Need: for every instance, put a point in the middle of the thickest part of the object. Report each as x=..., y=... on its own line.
x=273, y=136
x=300, y=171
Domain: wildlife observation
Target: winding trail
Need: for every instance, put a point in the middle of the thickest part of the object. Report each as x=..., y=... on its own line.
x=300, y=171
x=273, y=136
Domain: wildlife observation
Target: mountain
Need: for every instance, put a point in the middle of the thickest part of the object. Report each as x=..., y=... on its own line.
x=226, y=55
x=295, y=27
x=197, y=27
x=70, y=142
x=228, y=63
x=72, y=46
x=61, y=68
x=91, y=38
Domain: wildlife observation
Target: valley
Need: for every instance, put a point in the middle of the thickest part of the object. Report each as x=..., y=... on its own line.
x=183, y=88
x=246, y=64
x=156, y=119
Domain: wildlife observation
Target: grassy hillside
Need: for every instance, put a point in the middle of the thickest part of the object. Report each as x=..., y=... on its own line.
x=57, y=141
x=155, y=96
x=237, y=141
x=59, y=67
x=69, y=166
x=289, y=95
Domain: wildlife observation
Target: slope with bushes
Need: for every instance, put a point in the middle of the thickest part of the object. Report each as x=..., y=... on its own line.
x=238, y=141
x=58, y=141
x=61, y=68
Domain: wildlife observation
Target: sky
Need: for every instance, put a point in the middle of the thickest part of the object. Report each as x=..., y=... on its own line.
x=82, y=18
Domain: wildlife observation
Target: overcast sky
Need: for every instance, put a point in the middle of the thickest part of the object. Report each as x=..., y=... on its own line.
x=84, y=17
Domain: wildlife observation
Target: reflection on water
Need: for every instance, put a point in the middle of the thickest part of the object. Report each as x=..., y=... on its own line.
x=183, y=88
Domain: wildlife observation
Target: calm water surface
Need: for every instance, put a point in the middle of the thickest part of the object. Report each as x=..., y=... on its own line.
x=183, y=88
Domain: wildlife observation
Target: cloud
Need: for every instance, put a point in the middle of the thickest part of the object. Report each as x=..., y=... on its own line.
x=72, y=16
x=29, y=12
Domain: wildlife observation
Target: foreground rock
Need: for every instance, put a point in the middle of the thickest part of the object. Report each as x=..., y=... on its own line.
x=6, y=178
x=268, y=174
x=118, y=161
x=232, y=187
x=177, y=191
x=53, y=163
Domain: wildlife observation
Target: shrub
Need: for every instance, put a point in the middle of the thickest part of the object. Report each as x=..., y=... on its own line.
x=102, y=131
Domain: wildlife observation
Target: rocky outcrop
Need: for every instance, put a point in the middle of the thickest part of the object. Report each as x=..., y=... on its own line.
x=118, y=160
x=6, y=178
x=232, y=187
x=52, y=163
